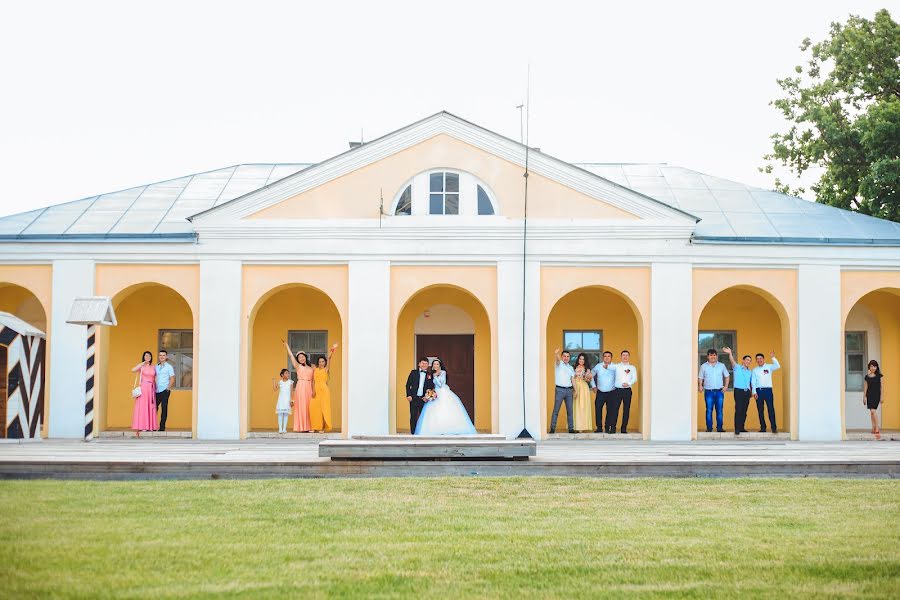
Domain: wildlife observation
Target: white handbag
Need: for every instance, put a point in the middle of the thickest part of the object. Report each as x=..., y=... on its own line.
x=136, y=392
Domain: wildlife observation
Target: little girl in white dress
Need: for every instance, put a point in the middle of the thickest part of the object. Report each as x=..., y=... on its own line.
x=284, y=404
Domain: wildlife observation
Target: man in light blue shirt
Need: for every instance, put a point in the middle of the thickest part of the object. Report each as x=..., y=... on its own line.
x=165, y=380
x=742, y=392
x=604, y=381
x=713, y=381
x=563, y=375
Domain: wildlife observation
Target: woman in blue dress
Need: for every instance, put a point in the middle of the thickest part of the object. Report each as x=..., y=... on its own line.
x=445, y=415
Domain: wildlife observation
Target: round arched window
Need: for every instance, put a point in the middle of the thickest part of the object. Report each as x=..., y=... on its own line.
x=444, y=193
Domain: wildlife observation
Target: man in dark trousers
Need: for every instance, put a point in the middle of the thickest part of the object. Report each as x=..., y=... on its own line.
x=418, y=382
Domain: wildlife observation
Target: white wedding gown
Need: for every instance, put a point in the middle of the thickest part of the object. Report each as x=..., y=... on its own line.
x=445, y=415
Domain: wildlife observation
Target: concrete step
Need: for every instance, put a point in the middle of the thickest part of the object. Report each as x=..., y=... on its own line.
x=754, y=436
x=407, y=448
x=128, y=433
x=595, y=436
x=889, y=436
x=290, y=435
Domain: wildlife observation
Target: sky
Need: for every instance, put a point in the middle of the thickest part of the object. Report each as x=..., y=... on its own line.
x=101, y=96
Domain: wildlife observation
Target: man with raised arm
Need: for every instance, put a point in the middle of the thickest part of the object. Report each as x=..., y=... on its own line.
x=742, y=392
x=761, y=383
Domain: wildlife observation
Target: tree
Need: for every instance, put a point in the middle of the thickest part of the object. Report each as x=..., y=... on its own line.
x=844, y=114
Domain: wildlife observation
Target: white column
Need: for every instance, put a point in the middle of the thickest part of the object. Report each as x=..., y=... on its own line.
x=68, y=347
x=819, y=354
x=518, y=408
x=218, y=363
x=672, y=352
x=369, y=342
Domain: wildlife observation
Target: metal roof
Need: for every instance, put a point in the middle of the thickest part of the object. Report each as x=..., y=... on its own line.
x=155, y=211
x=729, y=212
x=734, y=212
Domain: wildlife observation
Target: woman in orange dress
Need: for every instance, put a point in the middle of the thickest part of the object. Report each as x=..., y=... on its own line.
x=320, y=407
x=144, y=416
x=304, y=391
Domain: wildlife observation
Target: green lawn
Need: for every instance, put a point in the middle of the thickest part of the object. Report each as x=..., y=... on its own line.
x=451, y=538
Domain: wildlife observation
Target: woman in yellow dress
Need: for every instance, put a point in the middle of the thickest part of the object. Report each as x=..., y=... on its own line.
x=320, y=405
x=581, y=394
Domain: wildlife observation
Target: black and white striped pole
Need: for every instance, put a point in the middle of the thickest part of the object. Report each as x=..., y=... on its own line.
x=93, y=311
x=89, y=385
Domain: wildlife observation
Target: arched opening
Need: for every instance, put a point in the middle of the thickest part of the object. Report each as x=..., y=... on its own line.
x=309, y=320
x=152, y=317
x=872, y=332
x=449, y=323
x=591, y=320
x=750, y=322
x=22, y=303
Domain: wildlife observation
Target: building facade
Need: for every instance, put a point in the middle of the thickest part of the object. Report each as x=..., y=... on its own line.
x=415, y=244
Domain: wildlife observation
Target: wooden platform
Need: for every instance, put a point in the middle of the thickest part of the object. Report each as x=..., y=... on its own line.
x=266, y=458
x=416, y=447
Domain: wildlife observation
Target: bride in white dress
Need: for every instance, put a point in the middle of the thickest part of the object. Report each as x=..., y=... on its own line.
x=445, y=415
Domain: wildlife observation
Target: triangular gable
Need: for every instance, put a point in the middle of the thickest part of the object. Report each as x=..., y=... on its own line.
x=540, y=165
x=361, y=191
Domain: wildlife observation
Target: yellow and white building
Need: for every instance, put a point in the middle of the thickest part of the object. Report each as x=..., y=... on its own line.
x=413, y=244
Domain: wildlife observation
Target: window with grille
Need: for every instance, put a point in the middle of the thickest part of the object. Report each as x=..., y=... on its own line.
x=314, y=343
x=589, y=342
x=855, y=360
x=718, y=340
x=443, y=197
x=179, y=345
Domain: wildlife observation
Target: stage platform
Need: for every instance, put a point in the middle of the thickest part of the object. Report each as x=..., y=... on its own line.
x=174, y=458
x=417, y=447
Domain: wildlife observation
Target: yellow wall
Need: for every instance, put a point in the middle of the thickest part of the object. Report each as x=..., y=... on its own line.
x=259, y=284
x=406, y=349
x=141, y=314
x=407, y=282
x=880, y=291
x=632, y=286
x=359, y=190
x=295, y=308
x=758, y=330
x=592, y=309
x=25, y=291
x=780, y=293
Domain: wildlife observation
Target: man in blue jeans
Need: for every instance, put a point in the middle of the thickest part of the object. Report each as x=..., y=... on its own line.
x=713, y=381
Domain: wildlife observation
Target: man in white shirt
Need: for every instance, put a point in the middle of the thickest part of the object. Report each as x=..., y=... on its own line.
x=563, y=375
x=626, y=377
x=713, y=381
x=165, y=380
x=761, y=384
x=604, y=381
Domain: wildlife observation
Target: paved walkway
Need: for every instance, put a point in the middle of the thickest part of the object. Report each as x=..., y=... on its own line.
x=181, y=458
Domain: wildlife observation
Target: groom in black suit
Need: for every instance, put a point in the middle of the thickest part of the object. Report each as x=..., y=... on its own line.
x=418, y=382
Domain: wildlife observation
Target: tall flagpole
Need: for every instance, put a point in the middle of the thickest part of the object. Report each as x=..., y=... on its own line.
x=525, y=434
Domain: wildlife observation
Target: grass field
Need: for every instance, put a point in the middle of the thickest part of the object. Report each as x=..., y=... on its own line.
x=451, y=538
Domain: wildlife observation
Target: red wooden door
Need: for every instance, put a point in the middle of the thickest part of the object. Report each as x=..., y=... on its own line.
x=458, y=355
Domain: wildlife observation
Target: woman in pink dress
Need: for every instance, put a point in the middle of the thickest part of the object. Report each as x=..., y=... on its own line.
x=304, y=391
x=144, y=417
